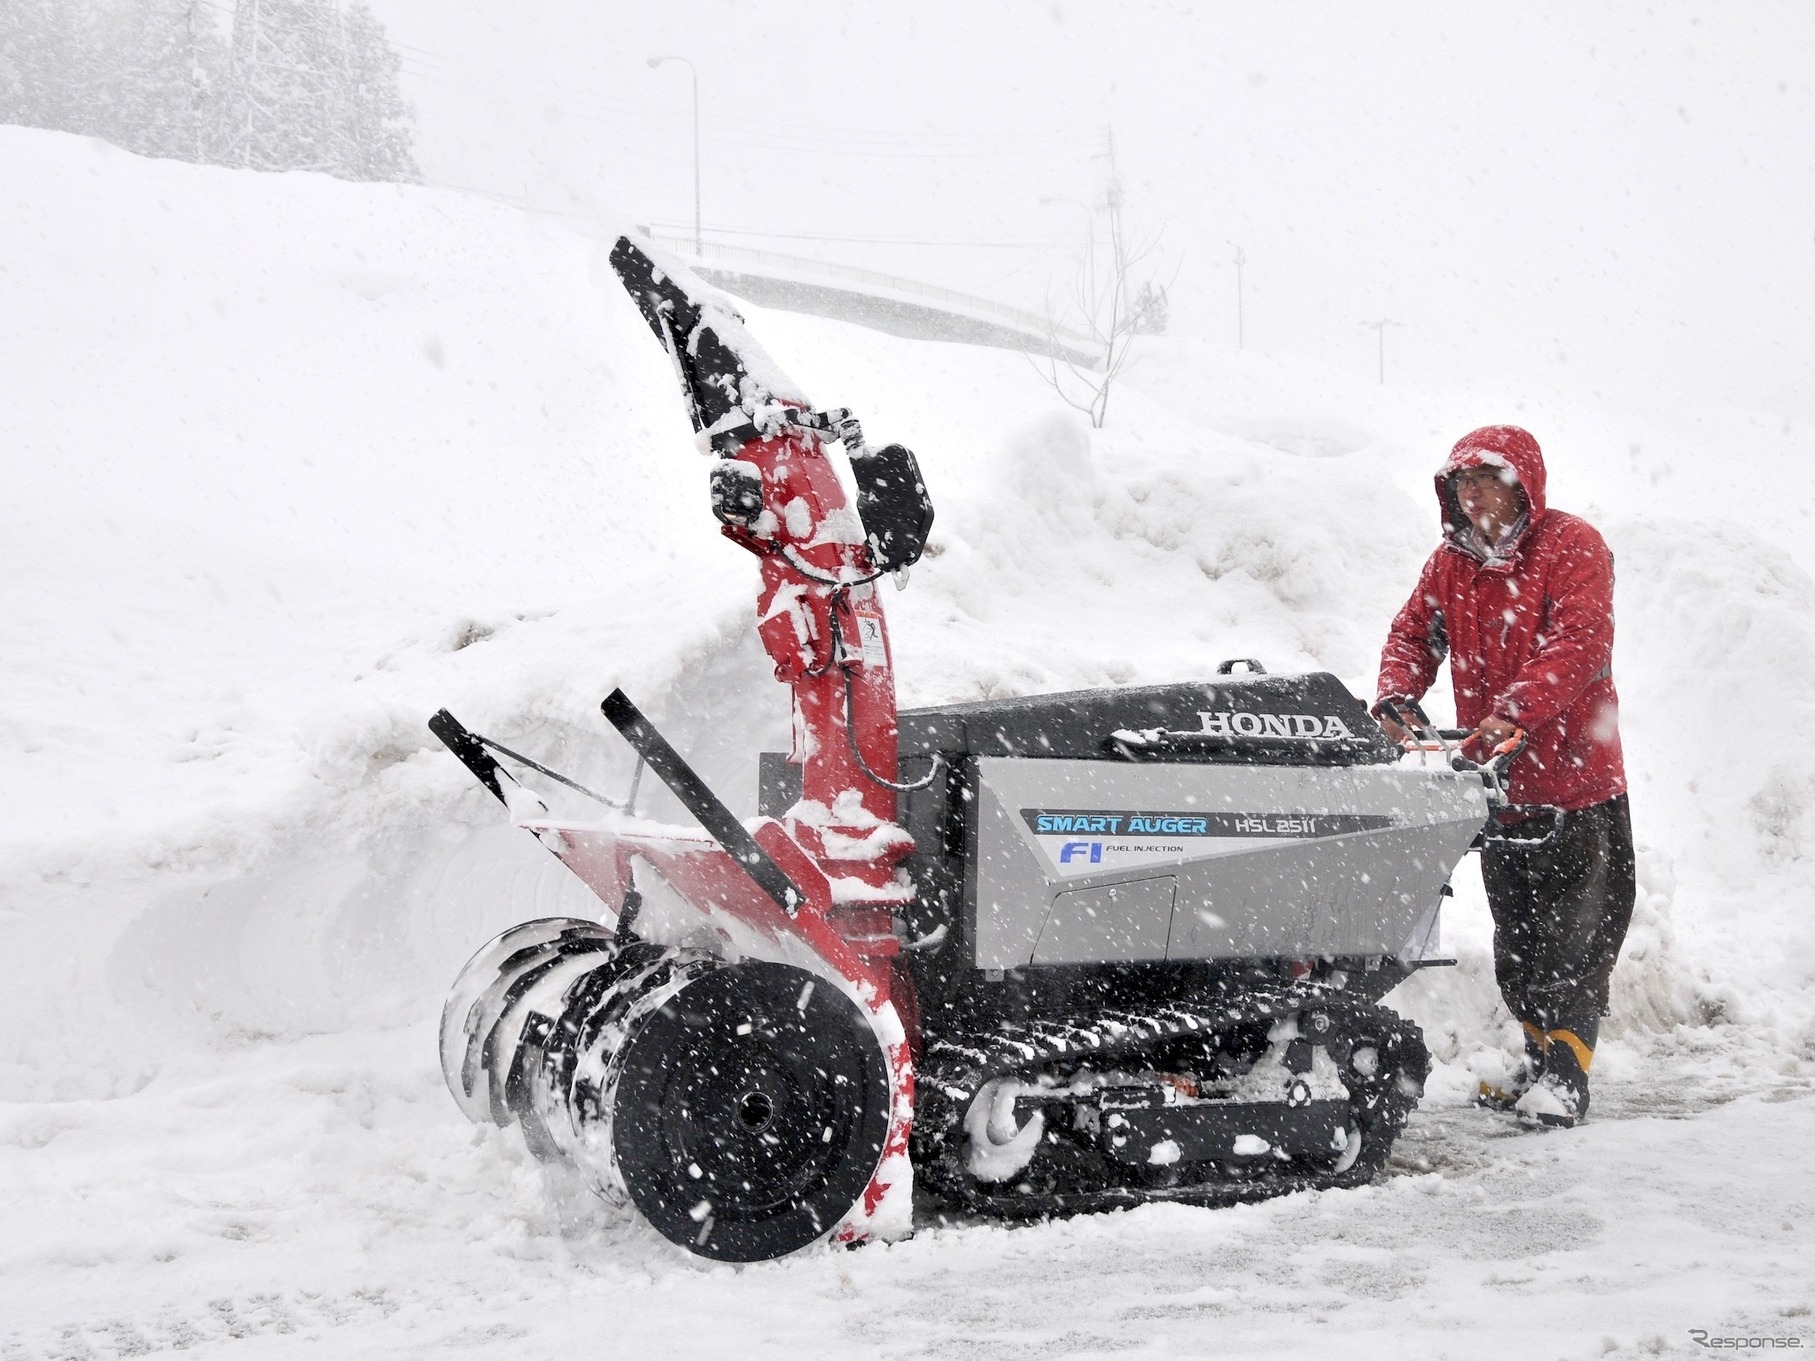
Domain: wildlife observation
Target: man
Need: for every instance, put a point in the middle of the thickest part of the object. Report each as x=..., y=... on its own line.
x=1520, y=598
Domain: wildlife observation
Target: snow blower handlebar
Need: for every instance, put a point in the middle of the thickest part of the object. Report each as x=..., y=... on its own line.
x=1494, y=771
x=1507, y=815
x=1406, y=713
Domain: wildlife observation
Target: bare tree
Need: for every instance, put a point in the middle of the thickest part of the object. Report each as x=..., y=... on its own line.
x=1090, y=326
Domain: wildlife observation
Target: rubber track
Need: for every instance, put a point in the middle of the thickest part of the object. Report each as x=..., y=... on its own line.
x=955, y=1069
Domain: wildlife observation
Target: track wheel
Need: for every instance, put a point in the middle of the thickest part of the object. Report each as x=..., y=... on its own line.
x=750, y=1111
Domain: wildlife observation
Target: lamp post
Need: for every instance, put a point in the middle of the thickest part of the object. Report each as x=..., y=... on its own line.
x=1380, y=338
x=1241, y=335
x=698, y=243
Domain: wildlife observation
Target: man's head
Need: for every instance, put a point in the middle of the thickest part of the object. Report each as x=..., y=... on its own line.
x=1490, y=496
x=1492, y=477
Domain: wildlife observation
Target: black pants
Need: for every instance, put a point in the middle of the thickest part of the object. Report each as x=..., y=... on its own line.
x=1560, y=916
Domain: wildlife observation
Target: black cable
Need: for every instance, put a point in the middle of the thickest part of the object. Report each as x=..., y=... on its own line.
x=850, y=726
x=554, y=775
x=850, y=732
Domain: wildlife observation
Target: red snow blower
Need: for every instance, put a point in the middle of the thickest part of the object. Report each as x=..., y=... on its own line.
x=1049, y=954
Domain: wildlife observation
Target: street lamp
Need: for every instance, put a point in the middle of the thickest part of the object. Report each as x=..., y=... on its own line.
x=698, y=244
x=1380, y=337
x=1241, y=338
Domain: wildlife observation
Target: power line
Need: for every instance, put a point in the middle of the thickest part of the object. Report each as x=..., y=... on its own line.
x=799, y=143
x=764, y=134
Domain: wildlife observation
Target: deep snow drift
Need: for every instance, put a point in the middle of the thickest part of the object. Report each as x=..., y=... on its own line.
x=292, y=463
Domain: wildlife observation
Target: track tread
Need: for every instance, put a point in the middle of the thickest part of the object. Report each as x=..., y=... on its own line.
x=956, y=1068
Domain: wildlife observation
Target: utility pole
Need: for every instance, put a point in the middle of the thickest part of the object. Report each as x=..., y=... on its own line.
x=1380, y=339
x=1118, y=262
x=699, y=247
x=1241, y=339
x=1115, y=190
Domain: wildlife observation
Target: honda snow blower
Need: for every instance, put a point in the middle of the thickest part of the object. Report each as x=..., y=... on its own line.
x=1051, y=954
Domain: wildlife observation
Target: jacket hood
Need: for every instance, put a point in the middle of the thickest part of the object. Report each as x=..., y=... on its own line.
x=1498, y=446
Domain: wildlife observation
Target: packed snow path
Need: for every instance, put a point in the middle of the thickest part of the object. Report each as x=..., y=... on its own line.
x=316, y=1198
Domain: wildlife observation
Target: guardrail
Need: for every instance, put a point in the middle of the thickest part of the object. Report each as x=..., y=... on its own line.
x=1031, y=322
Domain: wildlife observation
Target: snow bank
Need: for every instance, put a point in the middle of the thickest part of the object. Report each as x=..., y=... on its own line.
x=294, y=463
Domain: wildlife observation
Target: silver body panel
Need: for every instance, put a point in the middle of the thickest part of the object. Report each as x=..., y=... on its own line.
x=1091, y=861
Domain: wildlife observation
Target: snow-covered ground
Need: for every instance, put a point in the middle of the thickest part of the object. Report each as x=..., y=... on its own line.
x=291, y=463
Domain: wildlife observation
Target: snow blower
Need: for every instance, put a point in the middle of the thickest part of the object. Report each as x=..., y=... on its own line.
x=1048, y=954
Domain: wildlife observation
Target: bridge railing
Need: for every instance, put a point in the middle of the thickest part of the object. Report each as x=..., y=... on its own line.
x=1031, y=322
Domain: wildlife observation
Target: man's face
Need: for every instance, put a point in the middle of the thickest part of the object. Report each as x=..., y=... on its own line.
x=1491, y=498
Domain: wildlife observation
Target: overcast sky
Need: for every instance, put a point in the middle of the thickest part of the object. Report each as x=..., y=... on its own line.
x=1618, y=197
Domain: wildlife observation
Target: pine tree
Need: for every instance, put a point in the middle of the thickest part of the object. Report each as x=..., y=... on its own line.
x=378, y=126
x=49, y=76
x=1151, y=309
x=316, y=89
x=163, y=49
x=303, y=85
x=284, y=58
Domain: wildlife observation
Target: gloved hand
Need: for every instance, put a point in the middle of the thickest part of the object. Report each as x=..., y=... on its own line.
x=1384, y=709
x=1494, y=730
x=1486, y=741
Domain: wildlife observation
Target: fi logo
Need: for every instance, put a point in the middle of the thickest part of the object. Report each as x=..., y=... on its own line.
x=1078, y=850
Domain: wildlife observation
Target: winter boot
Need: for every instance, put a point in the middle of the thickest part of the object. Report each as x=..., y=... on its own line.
x=1560, y=1097
x=1505, y=1096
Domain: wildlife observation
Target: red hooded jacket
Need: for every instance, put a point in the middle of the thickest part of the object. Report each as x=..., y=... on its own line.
x=1528, y=628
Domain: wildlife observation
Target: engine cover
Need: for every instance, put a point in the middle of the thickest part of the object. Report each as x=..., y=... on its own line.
x=1091, y=861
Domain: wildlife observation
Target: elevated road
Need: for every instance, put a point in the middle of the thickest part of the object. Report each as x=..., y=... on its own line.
x=883, y=302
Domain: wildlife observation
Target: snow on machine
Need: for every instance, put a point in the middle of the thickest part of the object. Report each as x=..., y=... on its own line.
x=1049, y=954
